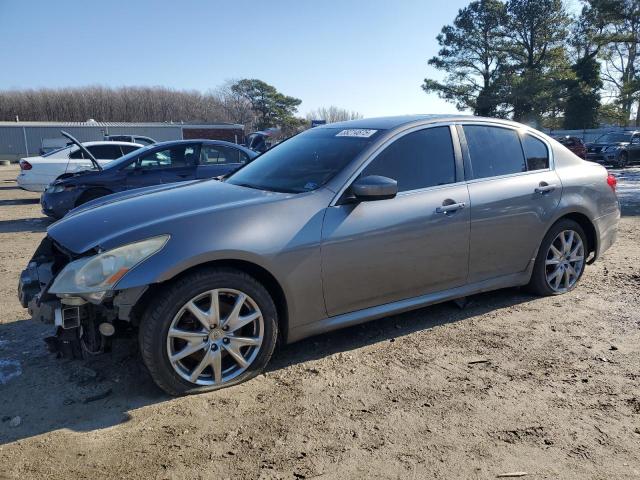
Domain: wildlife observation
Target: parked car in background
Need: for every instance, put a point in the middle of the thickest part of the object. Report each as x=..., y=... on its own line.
x=575, y=144
x=339, y=225
x=159, y=163
x=130, y=138
x=618, y=149
x=38, y=172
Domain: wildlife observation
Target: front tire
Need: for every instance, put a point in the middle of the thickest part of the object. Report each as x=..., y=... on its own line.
x=561, y=259
x=210, y=329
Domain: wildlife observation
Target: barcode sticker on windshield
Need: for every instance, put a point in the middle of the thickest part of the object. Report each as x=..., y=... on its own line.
x=356, y=132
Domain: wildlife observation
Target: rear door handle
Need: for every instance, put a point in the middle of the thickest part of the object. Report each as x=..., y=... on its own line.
x=452, y=207
x=544, y=188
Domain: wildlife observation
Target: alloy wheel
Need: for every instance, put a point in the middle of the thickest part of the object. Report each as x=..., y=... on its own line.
x=564, y=261
x=215, y=336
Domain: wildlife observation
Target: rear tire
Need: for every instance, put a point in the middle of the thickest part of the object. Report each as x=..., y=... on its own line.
x=183, y=320
x=623, y=161
x=558, y=270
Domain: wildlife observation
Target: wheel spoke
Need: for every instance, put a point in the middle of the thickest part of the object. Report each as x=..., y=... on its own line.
x=234, y=351
x=552, y=261
x=214, y=310
x=216, y=365
x=188, y=335
x=233, y=316
x=556, y=253
x=553, y=275
x=566, y=278
x=569, y=243
x=204, y=363
x=240, y=322
x=245, y=341
x=201, y=315
x=190, y=349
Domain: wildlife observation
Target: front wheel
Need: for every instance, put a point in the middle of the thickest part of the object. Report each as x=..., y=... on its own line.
x=209, y=330
x=561, y=259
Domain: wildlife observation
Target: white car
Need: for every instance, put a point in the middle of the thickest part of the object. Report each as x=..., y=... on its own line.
x=38, y=172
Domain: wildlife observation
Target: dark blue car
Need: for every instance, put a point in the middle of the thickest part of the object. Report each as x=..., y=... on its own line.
x=160, y=163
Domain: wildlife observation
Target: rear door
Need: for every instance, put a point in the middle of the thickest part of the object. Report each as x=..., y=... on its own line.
x=376, y=252
x=216, y=160
x=513, y=192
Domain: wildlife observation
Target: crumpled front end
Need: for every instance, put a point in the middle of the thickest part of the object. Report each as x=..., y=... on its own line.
x=83, y=324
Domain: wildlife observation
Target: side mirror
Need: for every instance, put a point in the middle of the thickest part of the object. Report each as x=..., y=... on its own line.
x=374, y=187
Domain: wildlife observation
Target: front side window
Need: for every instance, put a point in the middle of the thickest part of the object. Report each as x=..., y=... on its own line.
x=535, y=152
x=417, y=160
x=77, y=154
x=305, y=162
x=494, y=151
x=176, y=157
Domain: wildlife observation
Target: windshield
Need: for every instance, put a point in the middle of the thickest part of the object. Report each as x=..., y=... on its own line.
x=306, y=161
x=124, y=160
x=614, y=138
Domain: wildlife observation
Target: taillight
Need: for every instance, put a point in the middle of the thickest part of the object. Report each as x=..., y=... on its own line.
x=612, y=182
x=24, y=165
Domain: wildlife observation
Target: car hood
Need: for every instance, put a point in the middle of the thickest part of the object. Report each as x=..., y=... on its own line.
x=104, y=221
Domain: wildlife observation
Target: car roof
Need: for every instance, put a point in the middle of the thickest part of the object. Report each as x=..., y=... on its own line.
x=390, y=123
x=205, y=141
x=102, y=142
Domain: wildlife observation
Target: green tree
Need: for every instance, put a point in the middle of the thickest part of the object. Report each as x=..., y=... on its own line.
x=583, y=89
x=622, y=53
x=271, y=107
x=472, y=55
x=537, y=31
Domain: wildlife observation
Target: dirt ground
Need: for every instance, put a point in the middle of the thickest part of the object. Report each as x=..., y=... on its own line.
x=511, y=383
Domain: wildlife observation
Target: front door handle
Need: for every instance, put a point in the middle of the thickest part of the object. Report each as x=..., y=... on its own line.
x=451, y=207
x=545, y=188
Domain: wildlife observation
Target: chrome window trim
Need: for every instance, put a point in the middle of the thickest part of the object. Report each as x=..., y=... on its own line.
x=520, y=130
x=389, y=141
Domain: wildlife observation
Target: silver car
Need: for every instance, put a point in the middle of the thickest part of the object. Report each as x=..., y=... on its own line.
x=339, y=225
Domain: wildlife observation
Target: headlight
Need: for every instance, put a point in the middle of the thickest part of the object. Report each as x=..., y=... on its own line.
x=101, y=272
x=59, y=188
x=612, y=148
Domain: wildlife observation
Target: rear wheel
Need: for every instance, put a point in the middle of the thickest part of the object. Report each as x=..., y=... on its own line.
x=209, y=330
x=561, y=259
x=623, y=160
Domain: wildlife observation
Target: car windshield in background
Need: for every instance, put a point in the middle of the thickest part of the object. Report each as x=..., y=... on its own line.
x=614, y=138
x=306, y=161
x=125, y=159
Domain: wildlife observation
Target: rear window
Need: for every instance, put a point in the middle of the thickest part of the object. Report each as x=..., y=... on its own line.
x=536, y=152
x=494, y=151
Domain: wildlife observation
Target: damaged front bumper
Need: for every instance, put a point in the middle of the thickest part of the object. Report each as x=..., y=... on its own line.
x=80, y=320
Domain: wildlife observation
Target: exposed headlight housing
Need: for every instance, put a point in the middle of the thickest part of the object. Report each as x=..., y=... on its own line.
x=59, y=188
x=101, y=272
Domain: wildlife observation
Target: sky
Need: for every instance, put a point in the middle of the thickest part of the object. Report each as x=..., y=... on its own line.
x=369, y=56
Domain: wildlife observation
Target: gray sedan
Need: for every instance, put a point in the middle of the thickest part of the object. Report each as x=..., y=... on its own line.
x=339, y=225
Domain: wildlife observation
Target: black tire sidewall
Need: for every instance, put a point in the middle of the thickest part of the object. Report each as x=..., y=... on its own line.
x=538, y=283
x=157, y=319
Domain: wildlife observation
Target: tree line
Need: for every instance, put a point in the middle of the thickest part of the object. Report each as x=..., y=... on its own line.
x=250, y=102
x=531, y=60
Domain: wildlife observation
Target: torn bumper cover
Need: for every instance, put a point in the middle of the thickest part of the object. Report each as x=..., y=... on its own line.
x=67, y=311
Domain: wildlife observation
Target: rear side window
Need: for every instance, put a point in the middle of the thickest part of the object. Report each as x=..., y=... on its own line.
x=215, y=154
x=535, y=152
x=105, y=152
x=418, y=160
x=494, y=151
x=126, y=149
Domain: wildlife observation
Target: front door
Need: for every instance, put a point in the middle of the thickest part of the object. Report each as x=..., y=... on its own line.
x=513, y=194
x=166, y=165
x=383, y=251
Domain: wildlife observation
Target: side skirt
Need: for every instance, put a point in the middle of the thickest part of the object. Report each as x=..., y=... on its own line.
x=380, y=311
